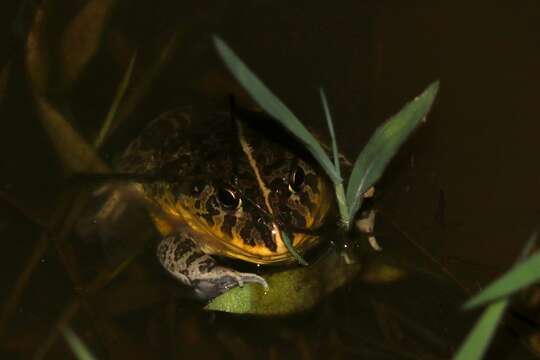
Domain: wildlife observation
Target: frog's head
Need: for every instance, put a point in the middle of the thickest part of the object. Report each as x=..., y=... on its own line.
x=251, y=192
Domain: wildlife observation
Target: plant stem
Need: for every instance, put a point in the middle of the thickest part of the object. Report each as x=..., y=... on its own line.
x=342, y=205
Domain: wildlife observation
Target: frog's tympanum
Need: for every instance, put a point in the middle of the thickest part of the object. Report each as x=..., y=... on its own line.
x=226, y=185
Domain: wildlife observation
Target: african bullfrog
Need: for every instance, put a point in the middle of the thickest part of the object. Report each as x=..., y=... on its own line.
x=226, y=184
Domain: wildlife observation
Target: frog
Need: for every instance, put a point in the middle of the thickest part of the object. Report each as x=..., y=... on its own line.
x=222, y=183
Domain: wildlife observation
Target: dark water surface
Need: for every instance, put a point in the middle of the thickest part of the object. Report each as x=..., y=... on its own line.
x=455, y=206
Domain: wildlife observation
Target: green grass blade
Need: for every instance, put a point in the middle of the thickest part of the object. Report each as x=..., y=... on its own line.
x=384, y=144
x=476, y=343
x=521, y=275
x=104, y=131
x=292, y=250
x=274, y=106
x=330, y=124
x=77, y=346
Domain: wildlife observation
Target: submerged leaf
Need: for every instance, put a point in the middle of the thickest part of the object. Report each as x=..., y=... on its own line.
x=274, y=106
x=290, y=291
x=36, y=55
x=105, y=128
x=381, y=273
x=82, y=37
x=77, y=346
x=74, y=152
x=145, y=83
x=384, y=144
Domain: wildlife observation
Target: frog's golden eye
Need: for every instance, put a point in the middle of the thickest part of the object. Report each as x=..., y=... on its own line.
x=296, y=179
x=229, y=199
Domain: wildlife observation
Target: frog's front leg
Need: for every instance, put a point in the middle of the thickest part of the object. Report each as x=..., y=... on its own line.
x=183, y=259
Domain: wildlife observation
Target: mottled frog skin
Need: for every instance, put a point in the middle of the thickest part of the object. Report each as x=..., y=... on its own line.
x=226, y=184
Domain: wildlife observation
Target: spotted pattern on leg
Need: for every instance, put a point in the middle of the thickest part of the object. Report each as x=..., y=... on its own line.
x=183, y=259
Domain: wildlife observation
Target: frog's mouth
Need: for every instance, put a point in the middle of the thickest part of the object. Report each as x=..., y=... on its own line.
x=214, y=240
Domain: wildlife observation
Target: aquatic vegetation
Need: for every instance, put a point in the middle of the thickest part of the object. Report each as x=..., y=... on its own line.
x=497, y=297
x=367, y=169
x=78, y=347
x=60, y=68
x=373, y=159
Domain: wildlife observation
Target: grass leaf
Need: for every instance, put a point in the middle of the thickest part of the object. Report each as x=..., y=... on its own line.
x=330, y=124
x=274, y=106
x=292, y=250
x=145, y=84
x=384, y=144
x=476, y=343
x=521, y=275
x=75, y=343
x=111, y=115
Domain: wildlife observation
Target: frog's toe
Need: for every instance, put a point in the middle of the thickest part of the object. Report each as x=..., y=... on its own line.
x=222, y=279
x=183, y=259
x=251, y=278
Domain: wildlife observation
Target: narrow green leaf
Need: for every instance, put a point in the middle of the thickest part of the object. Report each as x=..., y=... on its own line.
x=274, y=106
x=146, y=81
x=330, y=124
x=384, y=144
x=521, y=275
x=292, y=250
x=111, y=115
x=77, y=346
x=476, y=343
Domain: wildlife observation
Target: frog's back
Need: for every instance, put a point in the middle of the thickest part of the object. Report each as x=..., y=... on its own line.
x=230, y=181
x=178, y=143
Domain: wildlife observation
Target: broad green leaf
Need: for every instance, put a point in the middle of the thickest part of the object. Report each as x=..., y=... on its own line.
x=274, y=106
x=521, y=275
x=111, y=115
x=384, y=144
x=77, y=346
x=290, y=291
x=476, y=343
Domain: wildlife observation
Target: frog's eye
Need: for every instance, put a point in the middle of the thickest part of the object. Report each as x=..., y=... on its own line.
x=296, y=179
x=228, y=199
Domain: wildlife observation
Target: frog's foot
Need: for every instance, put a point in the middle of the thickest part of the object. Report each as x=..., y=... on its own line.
x=183, y=259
